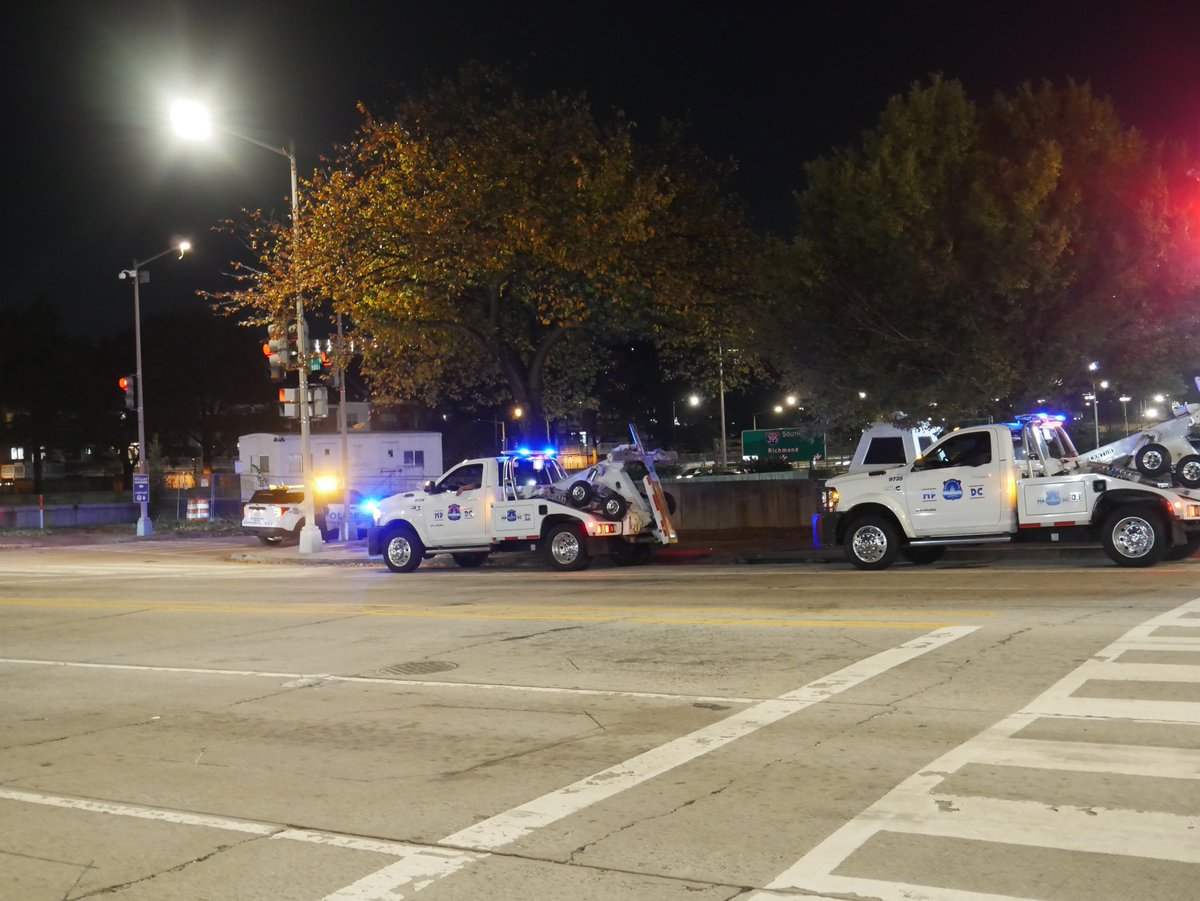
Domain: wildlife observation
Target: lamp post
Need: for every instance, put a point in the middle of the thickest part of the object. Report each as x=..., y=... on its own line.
x=144, y=526
x=1093, y=367
x=191, y=120
x=1125, y=399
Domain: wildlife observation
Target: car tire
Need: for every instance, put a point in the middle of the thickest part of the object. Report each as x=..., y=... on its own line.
x=1152, y=460
x=580, y=493
x=1187, y=471
x=613, y=507
x=923, y=555
x=670, y=499
x=623, y=553
x=565, y=548
x=1135, y=536
x=402, y=549
x=469, y=561
x=1185, y=550
x=872, y=542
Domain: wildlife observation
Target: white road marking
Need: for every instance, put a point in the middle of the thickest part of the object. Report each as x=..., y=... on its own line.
x=916, y=806
x=419, y=866
x=409, y=875
x=317, y=678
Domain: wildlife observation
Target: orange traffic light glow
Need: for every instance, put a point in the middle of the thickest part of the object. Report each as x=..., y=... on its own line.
x=123, y=383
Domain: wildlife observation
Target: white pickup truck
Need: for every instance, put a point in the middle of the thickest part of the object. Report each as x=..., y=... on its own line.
x=996, y=483
x=525, y=502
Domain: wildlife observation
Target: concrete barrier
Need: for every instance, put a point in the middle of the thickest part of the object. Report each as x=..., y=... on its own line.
x=65, y=515
x=771, y=500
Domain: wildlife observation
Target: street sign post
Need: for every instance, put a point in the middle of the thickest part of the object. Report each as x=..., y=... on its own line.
x=141, y=488
x=792, y=445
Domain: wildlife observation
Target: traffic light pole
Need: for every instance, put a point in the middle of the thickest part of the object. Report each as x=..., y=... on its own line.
x=310, y=534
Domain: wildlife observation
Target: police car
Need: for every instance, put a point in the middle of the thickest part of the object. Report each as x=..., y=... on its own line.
x=276, y=514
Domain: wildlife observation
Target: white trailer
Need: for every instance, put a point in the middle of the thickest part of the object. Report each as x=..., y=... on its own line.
x=381, y=463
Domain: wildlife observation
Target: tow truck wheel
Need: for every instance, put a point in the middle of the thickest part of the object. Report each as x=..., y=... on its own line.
x=1185, y=550
x=923, y=555
x=614, y=507
x=469, y=561
x=402, y=549
x=623, y=553
x=580, y=493
x=565, y=550
x=872, y=542
x=1135, y=536
x=1152, y=460
x=1187, y=471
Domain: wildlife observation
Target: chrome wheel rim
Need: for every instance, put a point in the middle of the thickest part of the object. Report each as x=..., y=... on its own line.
x=1152, y=460
x=399, y=551
x=1190, y=471
x=870, y=544
x=565, y=548
x=1133, y=537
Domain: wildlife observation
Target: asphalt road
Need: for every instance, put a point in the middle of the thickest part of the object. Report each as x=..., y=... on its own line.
x=179, y=724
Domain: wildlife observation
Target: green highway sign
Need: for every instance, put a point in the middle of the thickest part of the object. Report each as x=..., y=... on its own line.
x=776, y=444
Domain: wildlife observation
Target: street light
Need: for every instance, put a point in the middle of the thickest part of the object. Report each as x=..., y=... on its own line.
x=1125, y=399
x=789, y=401
x=1093, y=367
x=191, y=120
x=144, y=527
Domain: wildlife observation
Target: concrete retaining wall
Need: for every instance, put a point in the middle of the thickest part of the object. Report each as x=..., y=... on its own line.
x=64, y=515
x=782, y=501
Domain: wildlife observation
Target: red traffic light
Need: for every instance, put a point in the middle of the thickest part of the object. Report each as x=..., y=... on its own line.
x=267, y=352
x=123, y=383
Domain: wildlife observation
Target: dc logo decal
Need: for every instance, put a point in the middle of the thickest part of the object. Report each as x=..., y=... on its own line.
x=454, y=512
x=952, y=489
x=1053, y=498
x=511, y=516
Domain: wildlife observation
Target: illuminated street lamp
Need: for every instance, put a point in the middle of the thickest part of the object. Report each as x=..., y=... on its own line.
x=1125, y=399
x=1093, y=367
x=191, y=120
x=144, y=527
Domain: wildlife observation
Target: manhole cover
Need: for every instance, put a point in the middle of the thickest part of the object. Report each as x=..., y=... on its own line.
x=418, y=668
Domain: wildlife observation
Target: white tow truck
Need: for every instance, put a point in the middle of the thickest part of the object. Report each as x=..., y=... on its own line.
x=1006, y=482
x=524, y=501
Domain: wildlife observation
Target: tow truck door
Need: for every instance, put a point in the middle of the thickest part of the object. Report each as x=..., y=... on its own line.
x=516, y=513
x=959, y=486
x=456, y=513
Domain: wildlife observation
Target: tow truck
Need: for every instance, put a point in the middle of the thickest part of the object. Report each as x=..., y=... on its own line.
x=524, y=501
x=1007, y=482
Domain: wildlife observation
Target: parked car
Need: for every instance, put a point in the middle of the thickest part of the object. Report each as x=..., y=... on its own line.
x=276, y=514
x=362, y=509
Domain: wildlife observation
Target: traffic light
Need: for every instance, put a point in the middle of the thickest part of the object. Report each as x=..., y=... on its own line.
x=275, y=351
x=128, y=384
x=293, y=345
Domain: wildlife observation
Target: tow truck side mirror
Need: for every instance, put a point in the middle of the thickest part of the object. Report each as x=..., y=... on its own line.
x=429, y=487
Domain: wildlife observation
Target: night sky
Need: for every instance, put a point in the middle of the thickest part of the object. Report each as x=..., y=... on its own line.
x=95, y=179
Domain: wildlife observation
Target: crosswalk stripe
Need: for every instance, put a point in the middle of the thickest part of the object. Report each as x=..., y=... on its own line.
x=917, y=807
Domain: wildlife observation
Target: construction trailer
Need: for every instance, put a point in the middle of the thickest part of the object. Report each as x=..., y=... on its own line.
x=381, y=463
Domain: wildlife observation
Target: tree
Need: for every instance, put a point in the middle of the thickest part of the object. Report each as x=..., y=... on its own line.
x=977, y=259
x=490, y=247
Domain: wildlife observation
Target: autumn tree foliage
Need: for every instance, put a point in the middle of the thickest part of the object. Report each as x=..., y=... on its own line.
x=489, y=247
x=977, y=258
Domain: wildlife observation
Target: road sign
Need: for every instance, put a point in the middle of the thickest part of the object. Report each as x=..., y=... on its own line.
x=794, y=445
x=141, y=488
